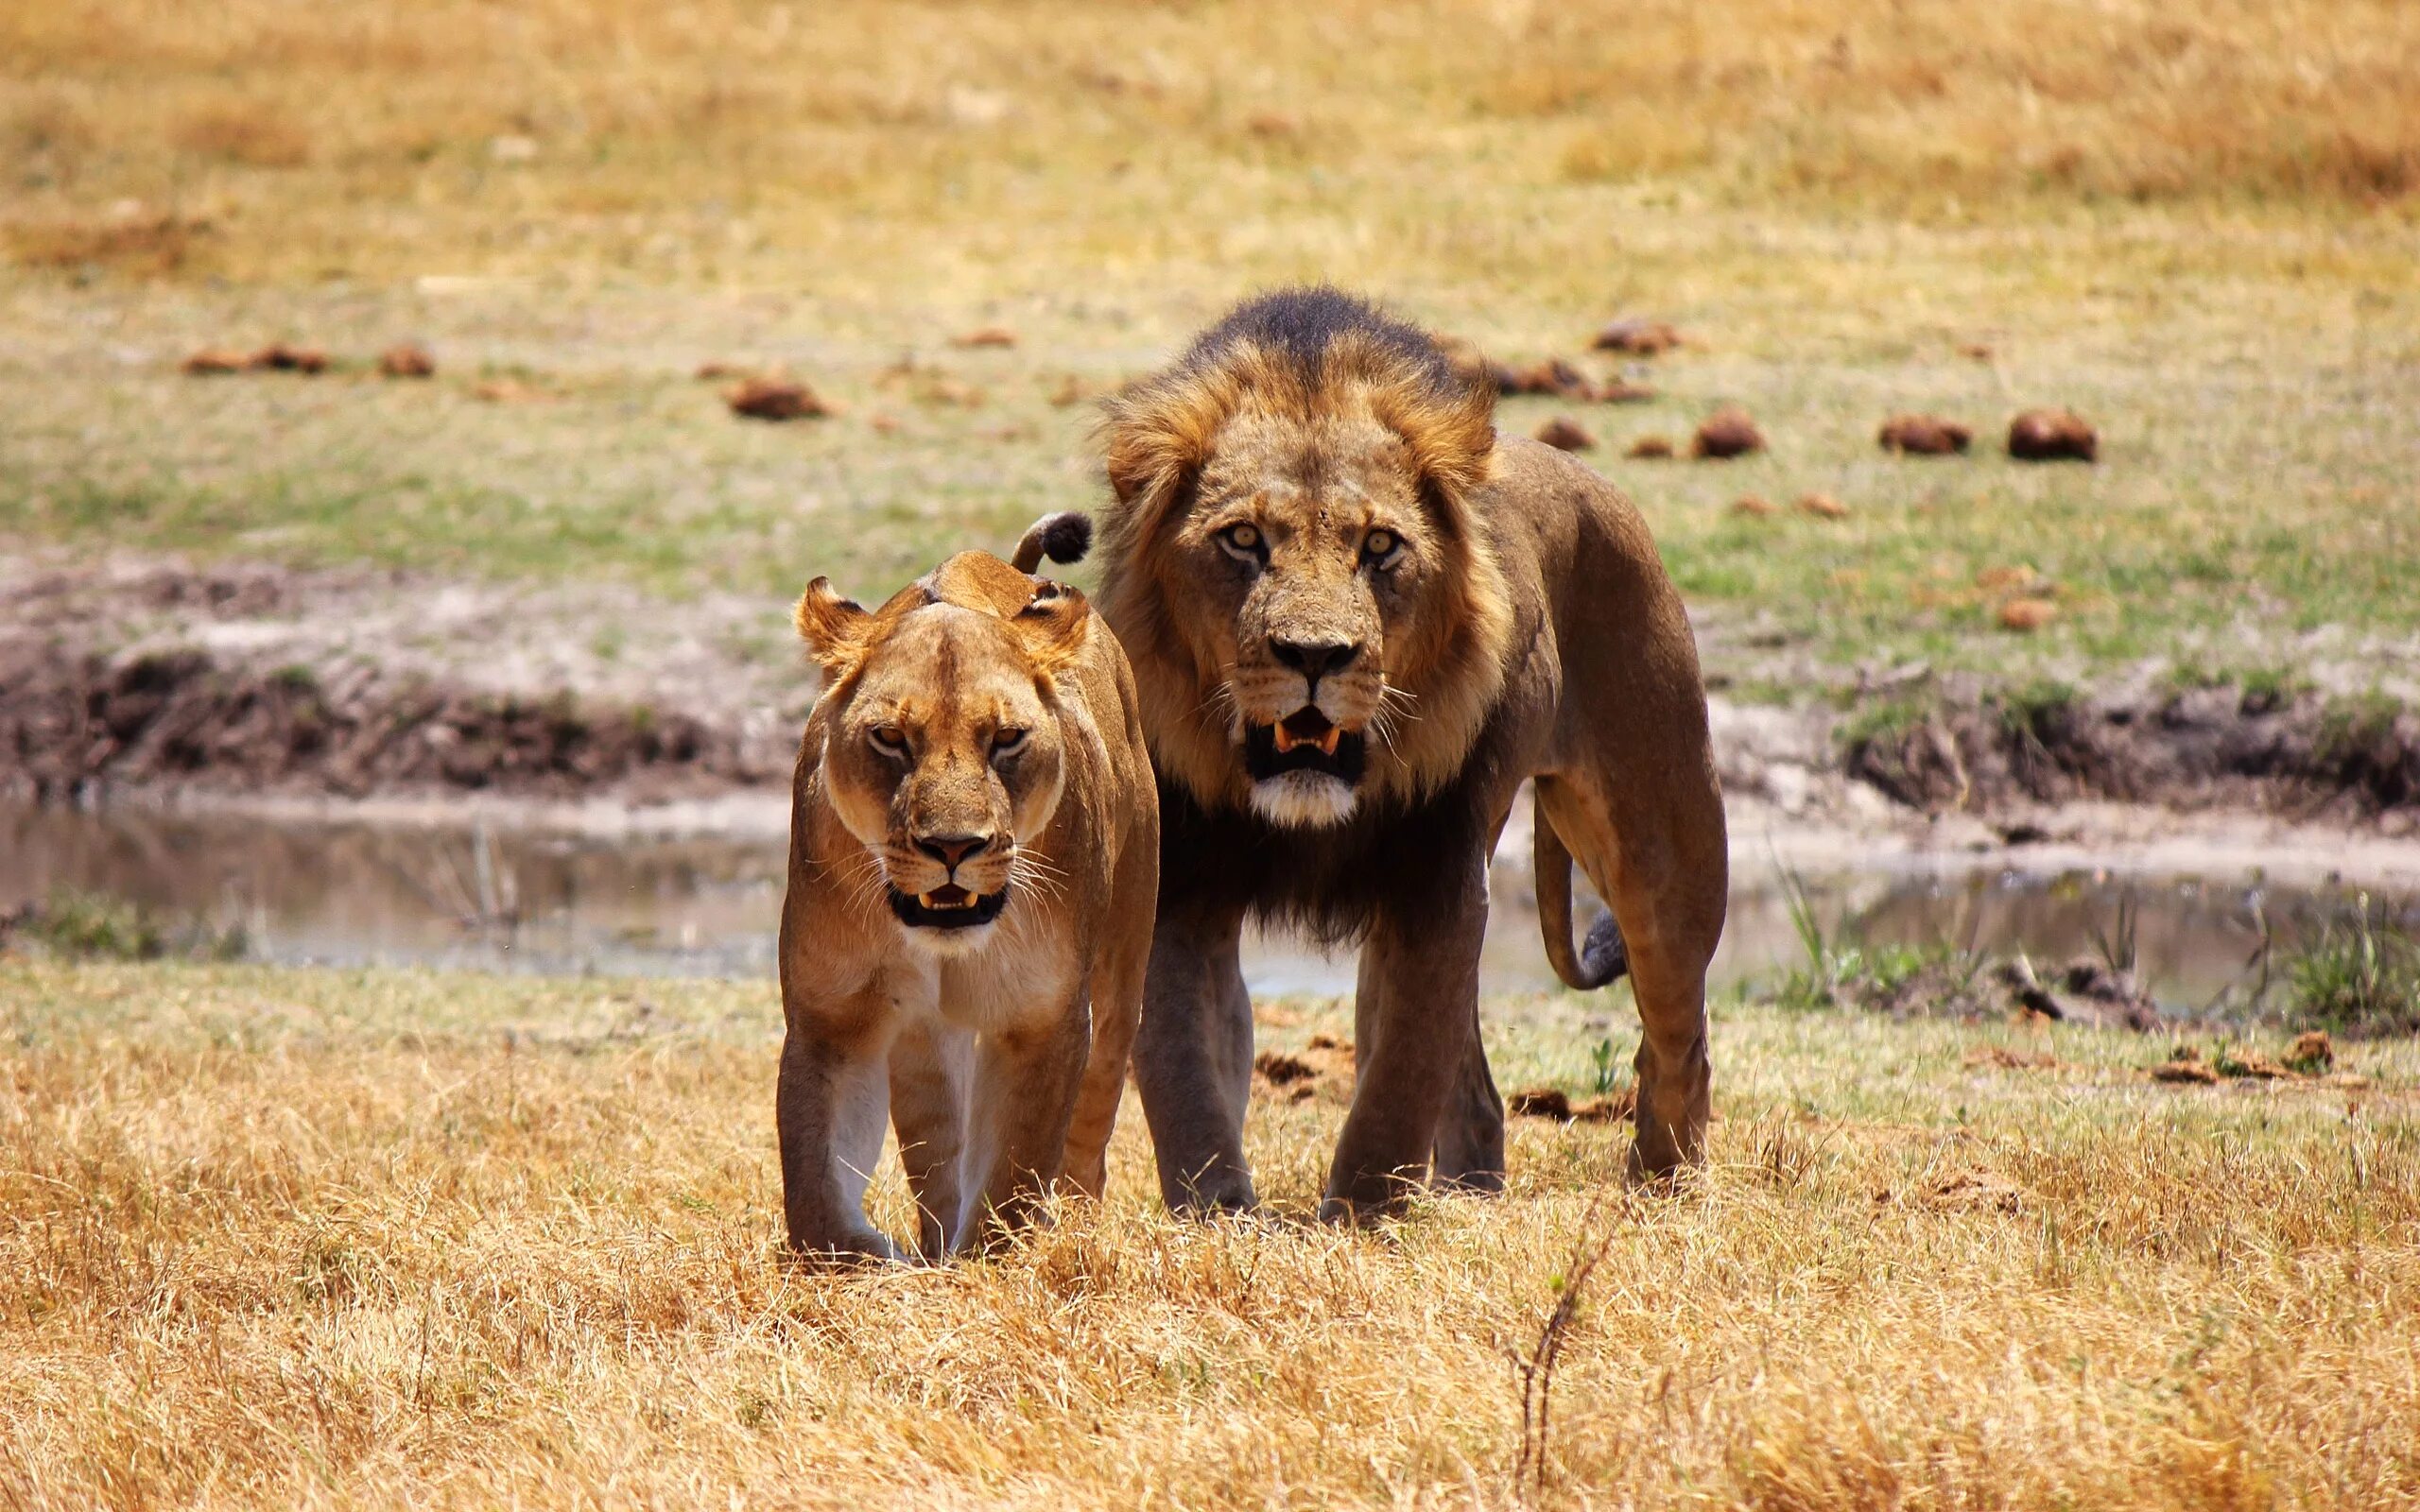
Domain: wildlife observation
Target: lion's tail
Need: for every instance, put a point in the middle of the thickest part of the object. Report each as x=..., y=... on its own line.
x=1603, y=958
x=1063, y=536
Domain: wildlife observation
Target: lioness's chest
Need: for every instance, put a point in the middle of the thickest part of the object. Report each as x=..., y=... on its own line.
x=1024, y=978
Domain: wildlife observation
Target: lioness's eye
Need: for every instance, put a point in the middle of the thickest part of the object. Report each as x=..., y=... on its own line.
x=889, y=739
x=1380, y=545
x=1005, y=740
x=1241, y=540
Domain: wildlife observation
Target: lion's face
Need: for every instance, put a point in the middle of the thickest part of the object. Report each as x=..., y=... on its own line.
x=945, y=759
x=1304, y=560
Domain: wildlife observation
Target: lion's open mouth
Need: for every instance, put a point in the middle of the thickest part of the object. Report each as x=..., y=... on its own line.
x=948, y=906
x=1304, y=741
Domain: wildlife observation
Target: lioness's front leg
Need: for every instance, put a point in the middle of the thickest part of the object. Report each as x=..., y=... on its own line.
x=1423, y=956
x=932, y=1063
x=1193, y=1057
x=830, y=1110
x=1026, y=1081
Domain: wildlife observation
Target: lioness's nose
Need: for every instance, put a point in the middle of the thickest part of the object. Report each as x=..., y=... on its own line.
x=952, y=851
x=1314, y=660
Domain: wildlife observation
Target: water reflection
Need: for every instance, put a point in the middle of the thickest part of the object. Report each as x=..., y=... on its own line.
x=512, y=900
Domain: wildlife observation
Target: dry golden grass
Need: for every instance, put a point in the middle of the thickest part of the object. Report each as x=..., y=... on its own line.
x=311, y=1238
x=870, y=145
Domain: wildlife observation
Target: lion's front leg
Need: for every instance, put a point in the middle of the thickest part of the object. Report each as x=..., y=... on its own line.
x=830, y=1110
x=1193, y=1058
x=1422, y=957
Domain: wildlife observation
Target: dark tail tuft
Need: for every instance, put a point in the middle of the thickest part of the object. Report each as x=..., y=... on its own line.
x=1603, y=958
x=1063, y=536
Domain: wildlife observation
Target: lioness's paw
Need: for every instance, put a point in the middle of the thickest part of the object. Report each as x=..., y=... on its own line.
x=851, y=1250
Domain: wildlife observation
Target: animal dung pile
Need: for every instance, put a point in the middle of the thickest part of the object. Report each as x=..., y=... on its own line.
x=1554, y=378
x=277, y=357
x=1565, y=434
x=1823, y=505
x=2311, y=1056
x=990, y=335
x=2026, y=615
x=1650, y=449
x=1558, y=379
x=776, y=398
x=1638, y=337
x=280, y=358
x=213, y=361
x=1751, y=503
x=1924, y=436
x=407, y=361
x=1325, y=1063
x=1727, y=433
x=2053, y=436
x=1553, y=1101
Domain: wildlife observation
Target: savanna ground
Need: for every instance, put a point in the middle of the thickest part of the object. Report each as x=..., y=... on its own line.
x=317, y=1238
x=321, y=1238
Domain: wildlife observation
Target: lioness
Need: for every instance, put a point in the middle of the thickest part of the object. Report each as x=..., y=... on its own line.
x=1360, y=618
x=974, y=856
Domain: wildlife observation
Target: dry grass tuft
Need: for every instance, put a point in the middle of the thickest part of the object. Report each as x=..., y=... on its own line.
x=274, y=1237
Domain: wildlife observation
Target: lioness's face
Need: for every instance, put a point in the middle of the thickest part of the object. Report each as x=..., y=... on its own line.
x=1306, y=554
x=946, y=761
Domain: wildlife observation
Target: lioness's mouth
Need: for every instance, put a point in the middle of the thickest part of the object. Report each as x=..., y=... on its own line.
x=948, y=906
x=1304, y=741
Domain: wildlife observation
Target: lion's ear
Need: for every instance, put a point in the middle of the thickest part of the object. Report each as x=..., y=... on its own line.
x=1053, y=627
x=833, y=628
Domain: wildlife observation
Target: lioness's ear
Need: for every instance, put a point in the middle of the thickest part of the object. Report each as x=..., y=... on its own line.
x=1053, y=625
x=833, y=628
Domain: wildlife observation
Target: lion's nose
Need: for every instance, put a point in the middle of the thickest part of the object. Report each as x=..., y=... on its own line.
x=1314, y=660
x=953, y=851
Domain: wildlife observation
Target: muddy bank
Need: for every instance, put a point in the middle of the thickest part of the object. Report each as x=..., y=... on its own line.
x=150, y=677
x=2307, y=755
x=74, y=727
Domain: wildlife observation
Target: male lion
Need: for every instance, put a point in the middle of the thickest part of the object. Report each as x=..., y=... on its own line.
x=974, y=854
x=1360, y=618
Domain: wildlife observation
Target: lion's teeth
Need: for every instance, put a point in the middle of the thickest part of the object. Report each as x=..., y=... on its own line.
x=1327, y=740
x=927, y=899
x=1286, y=741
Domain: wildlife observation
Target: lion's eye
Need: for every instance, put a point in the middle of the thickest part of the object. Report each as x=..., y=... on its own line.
x=1380, y=545
x=1242, y=540
x=889, y=739
x=1007, y=741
